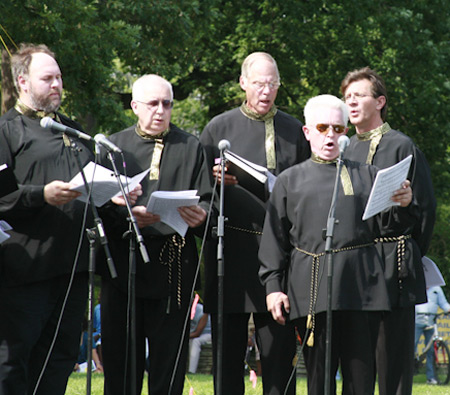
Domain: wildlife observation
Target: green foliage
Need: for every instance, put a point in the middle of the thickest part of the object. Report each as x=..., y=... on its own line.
x=102, y=46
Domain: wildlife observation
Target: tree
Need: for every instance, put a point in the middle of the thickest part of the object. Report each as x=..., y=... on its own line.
x=199, y=46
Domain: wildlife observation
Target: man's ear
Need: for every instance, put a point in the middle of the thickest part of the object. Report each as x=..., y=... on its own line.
x=243, y=82
x=306, y=132
x=133, y=106
x=23, y=83
x=381, y=102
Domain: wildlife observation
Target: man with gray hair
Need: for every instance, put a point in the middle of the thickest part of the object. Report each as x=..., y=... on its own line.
x=293, y=247
x=164, y=286
x=262, y=134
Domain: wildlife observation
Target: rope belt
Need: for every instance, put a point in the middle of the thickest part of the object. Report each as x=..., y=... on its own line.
x=254, y=232
x=401, y=248
x=172, y=249
x=311, y=319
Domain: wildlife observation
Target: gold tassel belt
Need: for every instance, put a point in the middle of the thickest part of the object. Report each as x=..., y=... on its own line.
x=173, y=249
x=401, y=248
x=314, y=290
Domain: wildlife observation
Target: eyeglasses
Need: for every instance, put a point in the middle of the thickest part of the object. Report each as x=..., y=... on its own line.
x=323, y=128
x=167, y=104
x=259, y=86
x=357, y=96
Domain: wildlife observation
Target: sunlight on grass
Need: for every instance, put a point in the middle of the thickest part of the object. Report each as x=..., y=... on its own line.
x=203, y=385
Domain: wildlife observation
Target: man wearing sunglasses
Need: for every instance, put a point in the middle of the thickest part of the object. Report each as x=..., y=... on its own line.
x=262, y=134
x=401, y=247
x=163, y=286
x=293, y=248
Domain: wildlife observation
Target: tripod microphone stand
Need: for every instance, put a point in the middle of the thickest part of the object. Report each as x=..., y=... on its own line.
x=135, y=236
x=94, y=234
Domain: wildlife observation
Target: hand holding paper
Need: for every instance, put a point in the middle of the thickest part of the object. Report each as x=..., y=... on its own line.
x=166, y=203
x=103, y=183
x=193, y=215
x=386, y=183
x=403, y=196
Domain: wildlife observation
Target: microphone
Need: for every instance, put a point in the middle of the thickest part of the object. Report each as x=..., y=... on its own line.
x=47, y=122
x=223, y=145
x=343, y=143
x=103, y=141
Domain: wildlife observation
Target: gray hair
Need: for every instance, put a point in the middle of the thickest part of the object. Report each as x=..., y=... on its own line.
x=322, y=102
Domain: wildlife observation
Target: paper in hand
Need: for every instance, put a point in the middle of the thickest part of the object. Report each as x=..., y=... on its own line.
x=165, y=204
x=103, y=183
x=386, y=183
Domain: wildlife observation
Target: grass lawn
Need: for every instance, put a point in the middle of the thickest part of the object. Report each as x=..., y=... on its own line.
x=203, y=385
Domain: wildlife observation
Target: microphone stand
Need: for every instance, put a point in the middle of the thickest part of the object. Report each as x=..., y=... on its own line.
x=331, y=222
x=132, y=271
x=220, y=278
x=93, y=234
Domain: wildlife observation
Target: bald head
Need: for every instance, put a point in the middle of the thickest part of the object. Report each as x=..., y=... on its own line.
x=144, y=86
x=152, y=103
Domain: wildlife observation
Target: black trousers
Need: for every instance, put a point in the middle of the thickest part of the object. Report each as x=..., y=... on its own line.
x=163, y=332
x=395, y=352
x=28, y=320
x=277, y=346
x=353, y=344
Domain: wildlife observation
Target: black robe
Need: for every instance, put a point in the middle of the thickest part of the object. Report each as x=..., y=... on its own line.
x=44, y=238
x=296, y=217
x=243, y=210
x=393, y=147
x=182, y=167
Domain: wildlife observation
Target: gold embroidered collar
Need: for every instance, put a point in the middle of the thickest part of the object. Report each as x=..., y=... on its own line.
x=30, y=113
x=346, y=181
x=147, y=136
x=254, y=116
x=374, y=136
x=269, y=128
x=315, y=158
x=374, y=133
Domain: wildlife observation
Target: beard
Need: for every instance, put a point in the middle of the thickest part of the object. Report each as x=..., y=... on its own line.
x=44, y=103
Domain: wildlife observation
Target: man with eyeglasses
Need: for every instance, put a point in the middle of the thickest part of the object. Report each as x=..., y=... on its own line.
x=163, y=286
x=293, y=248
x=402, y=246
x=262, y=134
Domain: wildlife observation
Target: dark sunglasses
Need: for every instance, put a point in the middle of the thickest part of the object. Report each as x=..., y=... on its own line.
x=323, y=128
x=167, y=104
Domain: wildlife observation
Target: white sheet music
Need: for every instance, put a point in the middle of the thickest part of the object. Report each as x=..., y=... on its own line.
x=386, y=183
x=4, y=227
x=165, y=204
x=103, y=183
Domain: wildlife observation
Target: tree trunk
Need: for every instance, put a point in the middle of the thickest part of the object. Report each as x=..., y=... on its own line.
x=8, y=91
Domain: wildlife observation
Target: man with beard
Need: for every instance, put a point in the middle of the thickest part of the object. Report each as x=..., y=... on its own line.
x=38, y=259
x=262, y=134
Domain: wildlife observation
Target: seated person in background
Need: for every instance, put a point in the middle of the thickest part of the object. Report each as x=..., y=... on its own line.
x=200, y=334
x=81, y=365
x=425, y=314
x=98, y=330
